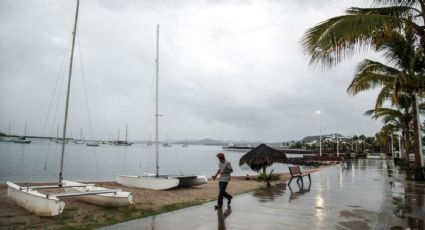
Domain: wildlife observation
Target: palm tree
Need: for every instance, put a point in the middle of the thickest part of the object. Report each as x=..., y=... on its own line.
x=384, y=136
x=398, y=82
x=362, y=139
x=355, y=140
x=398, y=120
x=393, y=28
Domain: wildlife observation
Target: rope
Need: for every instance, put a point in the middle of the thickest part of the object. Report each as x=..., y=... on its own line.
x=170, y=126
x=147, y=118
x=60, y=76
x=87, y=103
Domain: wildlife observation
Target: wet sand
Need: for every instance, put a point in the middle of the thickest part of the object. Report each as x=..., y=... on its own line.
x=147, y=202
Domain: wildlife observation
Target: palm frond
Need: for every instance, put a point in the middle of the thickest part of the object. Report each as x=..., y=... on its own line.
x=340, y=37
x=370, y=112
x=384, y=95
x=371, y=74
x=395, y=11
x=410, y=3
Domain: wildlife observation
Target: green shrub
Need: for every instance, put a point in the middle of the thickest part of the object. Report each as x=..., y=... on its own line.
x=348, y=155
x=400, y=162
x=269, y=177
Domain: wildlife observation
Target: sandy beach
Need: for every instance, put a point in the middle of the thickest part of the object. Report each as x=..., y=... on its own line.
x=79, y=215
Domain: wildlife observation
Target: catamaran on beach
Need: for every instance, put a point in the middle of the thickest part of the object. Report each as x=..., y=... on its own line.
x=42, y=204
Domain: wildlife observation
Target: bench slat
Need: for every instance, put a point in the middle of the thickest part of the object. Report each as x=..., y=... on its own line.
x=295, y=171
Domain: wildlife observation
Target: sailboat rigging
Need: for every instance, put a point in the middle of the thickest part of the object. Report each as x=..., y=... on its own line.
x=125, y=142
x=23, y=139
x=159, y=181
x=42, y=204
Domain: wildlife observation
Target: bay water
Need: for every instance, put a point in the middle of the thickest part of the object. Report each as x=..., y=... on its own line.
x=40, y=161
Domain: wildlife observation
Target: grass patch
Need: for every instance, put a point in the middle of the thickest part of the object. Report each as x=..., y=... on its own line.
x=88, y=218
x=128, y=212
x=69, y=227
x=71, y=209
x=173, y=207
x=18, y=223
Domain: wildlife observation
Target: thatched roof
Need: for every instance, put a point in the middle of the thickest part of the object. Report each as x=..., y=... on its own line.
x=262, y=156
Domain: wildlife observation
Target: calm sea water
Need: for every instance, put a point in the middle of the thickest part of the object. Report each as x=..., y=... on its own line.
x=39, y=161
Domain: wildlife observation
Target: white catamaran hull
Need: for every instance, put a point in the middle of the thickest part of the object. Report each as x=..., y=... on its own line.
x=191, y=180
x=34, y=201
x=117, y=199
x=148, y=182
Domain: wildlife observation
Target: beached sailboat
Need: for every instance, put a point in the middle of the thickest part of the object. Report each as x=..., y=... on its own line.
x=159, y=181
x=42, y=204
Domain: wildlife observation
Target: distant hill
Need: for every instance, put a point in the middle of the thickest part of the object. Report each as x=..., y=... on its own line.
x=209, y=141
x=317, y=137
x=206, y=141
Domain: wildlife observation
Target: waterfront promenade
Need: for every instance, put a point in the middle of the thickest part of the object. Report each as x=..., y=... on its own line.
x=370, y=195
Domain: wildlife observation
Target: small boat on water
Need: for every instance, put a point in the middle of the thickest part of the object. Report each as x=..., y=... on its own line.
x=92, y=144
x=8, y=139
x=122, y=143
x=22, y=140
x=80, y=141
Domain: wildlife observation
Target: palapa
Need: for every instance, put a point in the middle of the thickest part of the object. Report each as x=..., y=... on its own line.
x=261, y=157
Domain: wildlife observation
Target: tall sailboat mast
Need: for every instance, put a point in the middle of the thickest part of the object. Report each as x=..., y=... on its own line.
x=156, y=101
x=67, y=93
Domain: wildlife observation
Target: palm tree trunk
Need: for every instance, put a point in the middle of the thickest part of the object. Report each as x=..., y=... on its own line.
x=406, y=144
x=416, y=134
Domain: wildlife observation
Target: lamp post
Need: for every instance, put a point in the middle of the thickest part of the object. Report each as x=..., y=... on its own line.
x=337, y=140
x=320, y=133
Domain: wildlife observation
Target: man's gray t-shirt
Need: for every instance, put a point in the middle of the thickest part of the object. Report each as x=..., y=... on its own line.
x=225, y=170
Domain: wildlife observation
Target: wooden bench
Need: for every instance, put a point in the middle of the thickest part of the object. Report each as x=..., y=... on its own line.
x=296, y=172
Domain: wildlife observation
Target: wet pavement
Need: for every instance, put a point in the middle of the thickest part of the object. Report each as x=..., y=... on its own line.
x=372, y=194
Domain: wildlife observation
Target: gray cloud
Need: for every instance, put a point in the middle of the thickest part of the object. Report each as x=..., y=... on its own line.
x=228, y=69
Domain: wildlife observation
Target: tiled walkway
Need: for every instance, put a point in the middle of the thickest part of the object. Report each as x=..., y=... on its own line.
x=370, y=195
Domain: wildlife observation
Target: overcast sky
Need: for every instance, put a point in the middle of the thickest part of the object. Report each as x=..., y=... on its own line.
x=229, y=70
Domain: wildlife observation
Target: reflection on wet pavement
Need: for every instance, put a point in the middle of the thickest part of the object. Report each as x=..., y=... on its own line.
x=221, y=216
x=372, y=194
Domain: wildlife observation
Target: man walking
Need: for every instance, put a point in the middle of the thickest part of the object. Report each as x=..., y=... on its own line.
x=224, y=169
